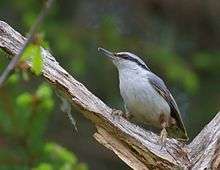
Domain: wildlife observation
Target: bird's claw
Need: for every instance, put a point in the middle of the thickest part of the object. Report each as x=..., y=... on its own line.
x=163, y=137
x=116, y=112
x=126, y=115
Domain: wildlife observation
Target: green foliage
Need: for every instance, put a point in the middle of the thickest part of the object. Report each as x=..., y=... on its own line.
x=59, y=158
x=33, y=53
x=207, y=61
x=24, y=99
x=14, y=78
x=37, y=62
x=44, y=166
x=59, y=153
x=186, y=54
x=25, y=124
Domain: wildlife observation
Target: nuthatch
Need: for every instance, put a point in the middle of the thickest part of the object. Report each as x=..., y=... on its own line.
x=146, y=97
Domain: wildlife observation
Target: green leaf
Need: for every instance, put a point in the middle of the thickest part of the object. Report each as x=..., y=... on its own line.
x=60, y=153
x=82, y=166
x=44, y=91
x=33, y=53
x=47, y=104
x=14, y=78
x=44, y=166
x=28, y=52
x=37, y=62
x=24, y=99
x=67, y=166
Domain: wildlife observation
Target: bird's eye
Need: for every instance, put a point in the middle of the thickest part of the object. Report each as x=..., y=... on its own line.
x=124, y=56
x=115, y=54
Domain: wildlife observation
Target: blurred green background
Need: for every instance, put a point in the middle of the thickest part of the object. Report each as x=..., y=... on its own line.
x=179, y=40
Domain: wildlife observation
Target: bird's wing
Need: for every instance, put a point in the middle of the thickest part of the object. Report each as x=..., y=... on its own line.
x=161, y=88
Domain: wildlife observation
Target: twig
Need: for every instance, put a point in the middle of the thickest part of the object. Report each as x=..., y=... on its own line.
x=29, y=39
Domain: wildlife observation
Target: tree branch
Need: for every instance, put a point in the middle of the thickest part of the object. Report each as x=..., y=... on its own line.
x=138, y=148
x=30, y=37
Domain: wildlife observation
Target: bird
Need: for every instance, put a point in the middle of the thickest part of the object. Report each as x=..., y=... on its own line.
x=146, y=97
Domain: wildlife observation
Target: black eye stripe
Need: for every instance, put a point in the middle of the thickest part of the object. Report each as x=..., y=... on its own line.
x=127, y=57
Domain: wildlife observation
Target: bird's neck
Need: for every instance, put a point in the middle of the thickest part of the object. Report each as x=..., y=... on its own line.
x=132, y=74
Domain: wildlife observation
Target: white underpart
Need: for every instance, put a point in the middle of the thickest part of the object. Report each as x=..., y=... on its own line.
x=140, y=98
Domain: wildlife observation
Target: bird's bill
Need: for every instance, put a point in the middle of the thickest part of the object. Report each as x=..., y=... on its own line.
x=106, y=52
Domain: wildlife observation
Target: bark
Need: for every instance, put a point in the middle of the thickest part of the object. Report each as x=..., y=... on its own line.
x=138, y=148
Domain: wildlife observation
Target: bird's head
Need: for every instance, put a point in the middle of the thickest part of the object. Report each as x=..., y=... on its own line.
x=124, y=60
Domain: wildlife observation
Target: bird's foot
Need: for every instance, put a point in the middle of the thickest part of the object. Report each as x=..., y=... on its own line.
x=126, y=115
x=163, y=137
x=116, y=112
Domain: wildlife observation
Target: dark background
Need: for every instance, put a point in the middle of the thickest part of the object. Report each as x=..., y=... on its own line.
x=179, y=40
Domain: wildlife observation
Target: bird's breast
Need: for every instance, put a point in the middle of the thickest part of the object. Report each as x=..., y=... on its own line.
x=141, y=99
